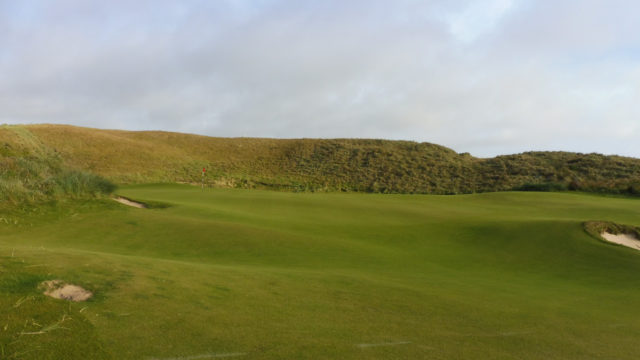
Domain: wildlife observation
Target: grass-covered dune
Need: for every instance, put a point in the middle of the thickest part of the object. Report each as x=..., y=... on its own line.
x=315, y=164
x=31, y=172
x=253, y=274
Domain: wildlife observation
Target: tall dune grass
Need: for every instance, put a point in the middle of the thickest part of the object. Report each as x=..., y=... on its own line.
x=25, y=180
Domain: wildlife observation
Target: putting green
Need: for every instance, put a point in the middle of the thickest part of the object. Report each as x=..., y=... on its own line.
x=271, y=275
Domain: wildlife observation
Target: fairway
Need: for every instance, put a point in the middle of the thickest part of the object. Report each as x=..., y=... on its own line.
x=251, y=274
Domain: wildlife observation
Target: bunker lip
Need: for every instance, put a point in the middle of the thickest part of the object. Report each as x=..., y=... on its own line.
x=628, y=240
x=129, y=202
x=60, y=290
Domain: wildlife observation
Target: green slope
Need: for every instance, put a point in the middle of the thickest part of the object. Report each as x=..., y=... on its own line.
x=313, y=164
x=31, y=172
x=271, y=275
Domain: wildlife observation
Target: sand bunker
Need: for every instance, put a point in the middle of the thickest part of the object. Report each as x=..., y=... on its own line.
x=629, y=240
x=128, y=202
x=60, y=290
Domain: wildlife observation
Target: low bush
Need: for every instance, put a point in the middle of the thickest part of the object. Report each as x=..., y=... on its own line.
x=551, y=186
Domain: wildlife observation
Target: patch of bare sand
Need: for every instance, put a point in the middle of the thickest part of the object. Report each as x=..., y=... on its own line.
x=629, y=240
x=60, y=290
x=128, y=202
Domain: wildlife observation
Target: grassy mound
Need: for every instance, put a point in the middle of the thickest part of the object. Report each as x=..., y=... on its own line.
x=32, y=172
x=379, y=166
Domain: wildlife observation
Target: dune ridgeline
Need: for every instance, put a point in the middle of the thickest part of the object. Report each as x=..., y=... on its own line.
x=45, y=161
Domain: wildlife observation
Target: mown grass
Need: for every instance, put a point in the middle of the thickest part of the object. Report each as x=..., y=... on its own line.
x=272, y=275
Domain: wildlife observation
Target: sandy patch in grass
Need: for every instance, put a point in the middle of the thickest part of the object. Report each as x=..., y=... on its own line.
x=128, y=202
x=60, y=290
x=629, y=240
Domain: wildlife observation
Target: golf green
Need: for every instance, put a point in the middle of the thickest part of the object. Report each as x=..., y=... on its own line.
x=249, y=274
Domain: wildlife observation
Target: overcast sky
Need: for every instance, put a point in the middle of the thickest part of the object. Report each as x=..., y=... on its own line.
x=487, y=77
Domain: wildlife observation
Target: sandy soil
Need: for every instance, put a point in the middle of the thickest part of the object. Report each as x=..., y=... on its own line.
x=59, y=290
x=629, y=240
x=128, y=202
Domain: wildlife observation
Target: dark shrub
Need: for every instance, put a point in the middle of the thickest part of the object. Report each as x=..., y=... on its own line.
x=549, y=186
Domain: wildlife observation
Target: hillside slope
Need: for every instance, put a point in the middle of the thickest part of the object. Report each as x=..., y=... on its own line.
x=31, y=171
x=317, y=164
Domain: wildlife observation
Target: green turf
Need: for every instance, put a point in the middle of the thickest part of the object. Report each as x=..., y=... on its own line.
x=270, y=275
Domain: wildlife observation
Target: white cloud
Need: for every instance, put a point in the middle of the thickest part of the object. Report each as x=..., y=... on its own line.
x=476, y=18
x=496, y=77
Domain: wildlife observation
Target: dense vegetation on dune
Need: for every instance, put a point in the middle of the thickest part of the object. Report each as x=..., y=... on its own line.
x=561, y=171
x=30, y=171
x=314, y=164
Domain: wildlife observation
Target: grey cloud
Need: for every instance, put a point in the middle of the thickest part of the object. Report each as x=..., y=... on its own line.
x=545, y=75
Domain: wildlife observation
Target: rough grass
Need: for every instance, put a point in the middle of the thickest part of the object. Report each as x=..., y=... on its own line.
x=31, y=172
x=272, y=275
x=316, y=164
x=596, y=228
